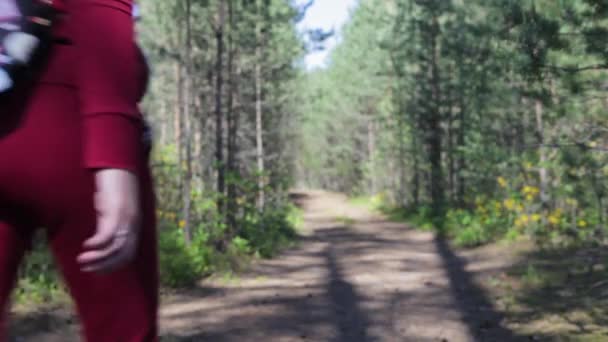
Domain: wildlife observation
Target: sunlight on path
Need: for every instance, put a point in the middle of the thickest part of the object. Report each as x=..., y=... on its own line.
x=370, y=281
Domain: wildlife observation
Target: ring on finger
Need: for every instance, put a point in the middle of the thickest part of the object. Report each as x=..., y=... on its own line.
x=123, y=232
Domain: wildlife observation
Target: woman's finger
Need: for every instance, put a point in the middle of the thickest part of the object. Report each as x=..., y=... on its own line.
x=121, y=257
x=104, y=234
x=98, y=254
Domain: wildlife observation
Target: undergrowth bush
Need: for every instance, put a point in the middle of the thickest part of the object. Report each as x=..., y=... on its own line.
x=514, y=210
x=39, y=281
x=181, y=264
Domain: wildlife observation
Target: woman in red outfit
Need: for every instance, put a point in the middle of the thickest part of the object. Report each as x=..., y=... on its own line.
x=72, y=161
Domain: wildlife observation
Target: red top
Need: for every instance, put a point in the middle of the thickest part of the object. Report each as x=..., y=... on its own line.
x=106, y=67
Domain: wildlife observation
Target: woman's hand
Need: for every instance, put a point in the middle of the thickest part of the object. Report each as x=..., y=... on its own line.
x=118, y=218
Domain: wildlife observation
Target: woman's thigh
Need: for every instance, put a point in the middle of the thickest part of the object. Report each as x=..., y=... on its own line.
x=43, y=170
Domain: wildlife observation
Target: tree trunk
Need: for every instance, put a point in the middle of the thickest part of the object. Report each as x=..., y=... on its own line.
x=461, y=142
x=401, y=136
x=187, y=190
x=434, y=125
x=450, y=147
x=164, y=114
x=178, y=114
x=219, y=134
x=542, y=153
x=232, y=118
x=371, y=154
x=258, y=116
x=416, y=180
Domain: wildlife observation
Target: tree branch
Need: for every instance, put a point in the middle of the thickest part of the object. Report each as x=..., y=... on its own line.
x=574, y=69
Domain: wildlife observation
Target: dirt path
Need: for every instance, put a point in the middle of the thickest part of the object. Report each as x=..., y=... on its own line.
x=355, y=277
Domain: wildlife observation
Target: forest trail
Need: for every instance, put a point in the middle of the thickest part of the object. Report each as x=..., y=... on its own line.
x=354, y=277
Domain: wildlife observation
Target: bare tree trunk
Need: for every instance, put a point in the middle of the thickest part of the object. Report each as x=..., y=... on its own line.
x=164, y=114
x=450, y=147
x=197, y=168
x=178, y=114
x=232, y=117
x=434, y=126
x=219, y=136
x=542, y=153
x=461, y=161
x=188, y=126
x=258, y=116
x=402, y=179
x=371, y=154
x=416, y=181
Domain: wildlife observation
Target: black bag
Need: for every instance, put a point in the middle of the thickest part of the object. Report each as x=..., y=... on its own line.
x=25, y=39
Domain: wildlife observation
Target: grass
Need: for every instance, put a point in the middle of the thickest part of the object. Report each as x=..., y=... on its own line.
x=361, y=201
x=558, y=294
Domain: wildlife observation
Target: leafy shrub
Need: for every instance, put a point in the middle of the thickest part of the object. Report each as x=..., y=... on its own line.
x=269, y=231
x=471, y=236
x=39, y=280
x=182, y=265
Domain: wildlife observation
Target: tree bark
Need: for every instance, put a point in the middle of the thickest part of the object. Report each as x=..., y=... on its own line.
x=434, y=125
x=187, y=189
x=258, y=115
x=371, y=154
x=219, y=134
x=178, y=113
x=542, y=154
x=450, y=147
x=462, y=166
x=232, y=118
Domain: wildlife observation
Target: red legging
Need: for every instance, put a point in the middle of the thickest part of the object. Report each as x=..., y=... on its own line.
x=43, y=184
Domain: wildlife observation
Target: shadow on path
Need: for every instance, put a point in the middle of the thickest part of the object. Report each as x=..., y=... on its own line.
x=479, y=314
x=374, y=281
x=351, y=321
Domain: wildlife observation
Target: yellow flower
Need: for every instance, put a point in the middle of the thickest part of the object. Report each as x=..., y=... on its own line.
x=182, y=224
x=582, y=223
x=530, y=190
x=536, y=217
x=555, y=217
x=502, y=182
x=529, y=197
x=554, y=220
x=519, y=208
x=509, y=203
x=571, y=201
x=497, y=206
x=522, y=221
x=528, y=165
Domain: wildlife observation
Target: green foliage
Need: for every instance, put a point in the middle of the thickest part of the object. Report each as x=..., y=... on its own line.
x=180, y=264
x=266, y=233
x=259, y=234
x=38, y=281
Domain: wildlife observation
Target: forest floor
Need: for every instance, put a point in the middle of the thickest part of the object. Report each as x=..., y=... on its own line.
x=354, y=277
